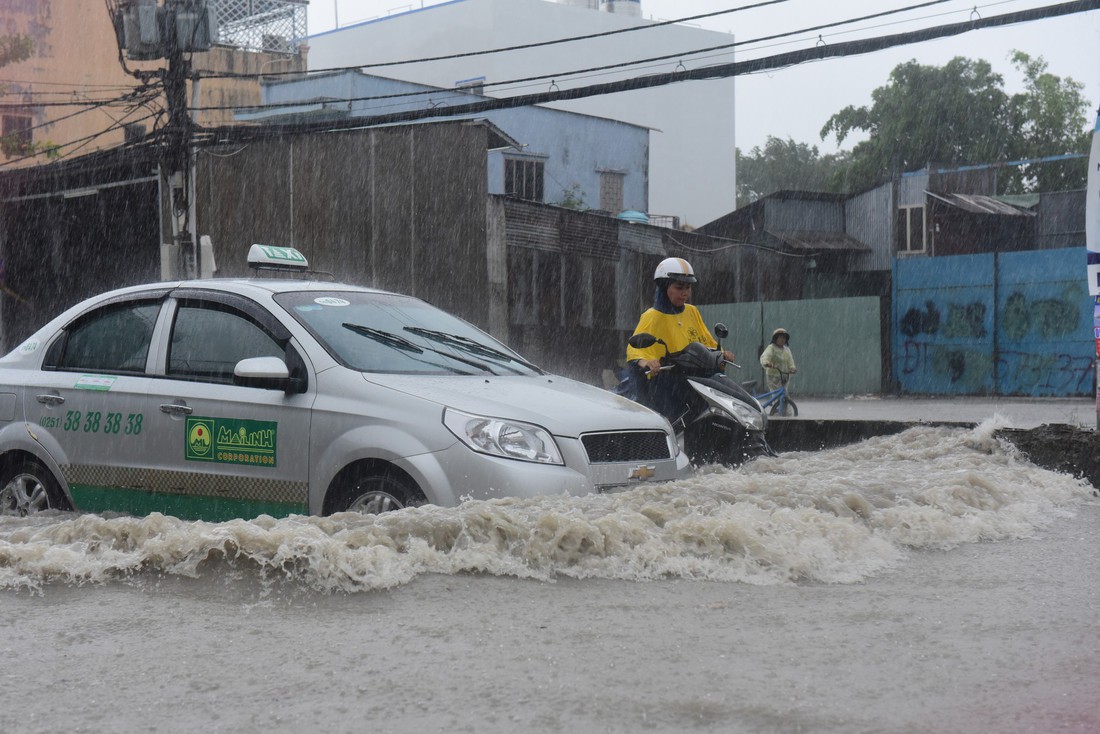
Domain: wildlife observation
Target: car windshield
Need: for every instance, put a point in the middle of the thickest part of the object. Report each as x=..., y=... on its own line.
x=385, y=332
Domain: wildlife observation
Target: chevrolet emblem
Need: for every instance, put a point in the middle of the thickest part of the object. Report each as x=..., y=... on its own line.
x=642, y=473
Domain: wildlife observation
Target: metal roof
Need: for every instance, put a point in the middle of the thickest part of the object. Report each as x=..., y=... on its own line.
x=978, y=204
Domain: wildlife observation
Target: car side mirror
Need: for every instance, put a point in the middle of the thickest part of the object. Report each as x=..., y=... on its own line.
x=721, y=331
x=269, y=373
x=642, y=340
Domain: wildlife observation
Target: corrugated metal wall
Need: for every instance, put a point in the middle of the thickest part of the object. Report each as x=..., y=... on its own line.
x=836, y=341
x=864, y=220
x=1037, y=341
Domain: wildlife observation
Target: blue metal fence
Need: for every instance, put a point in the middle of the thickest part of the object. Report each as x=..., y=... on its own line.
x=1006, y=324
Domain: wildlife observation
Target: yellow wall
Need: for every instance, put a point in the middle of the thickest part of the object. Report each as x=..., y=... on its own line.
x=76, y=59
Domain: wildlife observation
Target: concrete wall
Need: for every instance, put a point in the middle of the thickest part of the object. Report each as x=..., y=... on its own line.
x=1006, y=324
x=378, y=207
x=58, y=250
x=836, y=341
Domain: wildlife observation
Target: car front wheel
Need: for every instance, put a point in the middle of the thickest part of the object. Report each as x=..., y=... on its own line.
x=373, y=495
x=28, y=487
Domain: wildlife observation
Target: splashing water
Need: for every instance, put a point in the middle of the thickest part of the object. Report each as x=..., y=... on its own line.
x=836, y=516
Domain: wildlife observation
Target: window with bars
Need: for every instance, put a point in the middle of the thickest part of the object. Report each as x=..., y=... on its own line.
x=17, y=131
x=611, y=191
x=524, y=178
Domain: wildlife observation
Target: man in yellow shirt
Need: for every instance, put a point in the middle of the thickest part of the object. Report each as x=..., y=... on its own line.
x=674, y=321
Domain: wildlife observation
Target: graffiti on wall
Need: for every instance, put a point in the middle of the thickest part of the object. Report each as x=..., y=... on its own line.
x=1048, y=318
x=963, y=321
x=1046, y=373
x=962, y=368
x=931, y=358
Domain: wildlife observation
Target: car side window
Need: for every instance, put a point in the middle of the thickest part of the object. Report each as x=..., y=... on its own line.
x=113, y=339
x=209, y=339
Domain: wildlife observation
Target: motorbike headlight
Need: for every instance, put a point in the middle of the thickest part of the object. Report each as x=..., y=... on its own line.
x=748, y=416
x=745, y=414
x=505, y=438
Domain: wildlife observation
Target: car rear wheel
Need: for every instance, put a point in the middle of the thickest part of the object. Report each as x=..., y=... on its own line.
x=375, y=494
x=27, y=487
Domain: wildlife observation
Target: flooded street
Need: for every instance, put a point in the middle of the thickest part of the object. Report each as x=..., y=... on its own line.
x=930, y=581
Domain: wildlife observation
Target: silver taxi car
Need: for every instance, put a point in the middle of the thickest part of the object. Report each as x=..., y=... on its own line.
x=226, y=398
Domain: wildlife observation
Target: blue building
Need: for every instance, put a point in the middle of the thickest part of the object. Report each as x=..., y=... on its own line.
x=565, y=158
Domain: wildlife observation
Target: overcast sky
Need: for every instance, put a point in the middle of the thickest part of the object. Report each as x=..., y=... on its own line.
x=795, y=102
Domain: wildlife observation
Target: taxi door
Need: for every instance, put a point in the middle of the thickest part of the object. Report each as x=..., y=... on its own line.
x=85, y=406
x=225, y=450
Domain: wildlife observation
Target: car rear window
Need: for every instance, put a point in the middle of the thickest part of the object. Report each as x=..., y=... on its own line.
x=113, y=339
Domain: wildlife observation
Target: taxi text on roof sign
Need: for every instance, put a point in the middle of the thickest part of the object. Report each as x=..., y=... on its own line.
x=271, y=256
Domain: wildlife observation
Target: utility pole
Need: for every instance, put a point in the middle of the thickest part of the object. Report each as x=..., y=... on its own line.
x=176, y=160
x=171, y=31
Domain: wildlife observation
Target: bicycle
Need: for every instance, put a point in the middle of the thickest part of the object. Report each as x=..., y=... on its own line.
x=777, y=402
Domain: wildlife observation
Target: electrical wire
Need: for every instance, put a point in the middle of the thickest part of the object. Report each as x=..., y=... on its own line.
x=606, y=67
x=134, y=99
x=538, y=44
x=81, y=143
x=720, y=71
x=737, y=243
x=10, y=106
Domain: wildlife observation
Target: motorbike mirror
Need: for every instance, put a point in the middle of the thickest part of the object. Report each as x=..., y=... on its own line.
x=721, y=331
x=642, y=340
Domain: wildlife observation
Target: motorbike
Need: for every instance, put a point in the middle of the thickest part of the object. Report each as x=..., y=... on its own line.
x=716, y=420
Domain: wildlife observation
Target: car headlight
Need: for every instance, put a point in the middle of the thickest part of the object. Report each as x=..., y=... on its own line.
x=506, y=438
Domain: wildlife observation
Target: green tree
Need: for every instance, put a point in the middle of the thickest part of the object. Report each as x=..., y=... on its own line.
x=785, y=164
x=948, y=115
x=959, y=114
x=1050, y=119
x=573, y=198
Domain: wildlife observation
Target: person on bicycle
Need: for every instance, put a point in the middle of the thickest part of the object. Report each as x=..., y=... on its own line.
x=674, y=321
x=777, y=359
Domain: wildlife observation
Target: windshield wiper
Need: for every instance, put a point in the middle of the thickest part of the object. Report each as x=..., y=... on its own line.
x=399, y=342
x=392, y=340
x=465, y=342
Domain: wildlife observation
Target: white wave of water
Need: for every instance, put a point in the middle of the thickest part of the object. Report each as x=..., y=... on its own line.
x=834, y=516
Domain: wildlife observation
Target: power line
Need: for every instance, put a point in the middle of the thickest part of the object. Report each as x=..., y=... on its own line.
x=719, y=71
x=136, y=98
x=82, y=142
x=13, y=106
x=519, y=47
x=606, y=67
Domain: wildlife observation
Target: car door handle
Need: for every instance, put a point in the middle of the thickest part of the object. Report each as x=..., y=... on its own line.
x=176, y=409
x=50, y=399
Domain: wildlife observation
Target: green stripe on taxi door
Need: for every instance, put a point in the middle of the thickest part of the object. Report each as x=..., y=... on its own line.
x=90, y=498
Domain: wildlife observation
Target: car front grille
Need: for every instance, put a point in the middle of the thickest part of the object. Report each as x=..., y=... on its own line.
x=608, y=448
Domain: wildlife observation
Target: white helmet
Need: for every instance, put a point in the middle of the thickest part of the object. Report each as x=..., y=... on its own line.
x=675, y=268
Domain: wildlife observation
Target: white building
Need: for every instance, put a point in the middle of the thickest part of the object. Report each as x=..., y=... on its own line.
x=692, y=156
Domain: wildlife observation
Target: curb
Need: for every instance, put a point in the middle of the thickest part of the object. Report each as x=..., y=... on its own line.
x=794, y=434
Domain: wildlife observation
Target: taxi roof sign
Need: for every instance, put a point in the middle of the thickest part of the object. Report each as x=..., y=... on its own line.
x=276, y=258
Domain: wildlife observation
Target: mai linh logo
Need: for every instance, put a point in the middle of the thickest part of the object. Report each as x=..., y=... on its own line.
x=232, y=441
x=200, y=438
